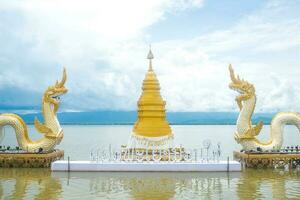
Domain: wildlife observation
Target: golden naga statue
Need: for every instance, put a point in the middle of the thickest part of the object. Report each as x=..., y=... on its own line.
x=51, y=129
x=246, y=133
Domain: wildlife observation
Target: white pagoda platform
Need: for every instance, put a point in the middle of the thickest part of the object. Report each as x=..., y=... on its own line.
x=162, y=166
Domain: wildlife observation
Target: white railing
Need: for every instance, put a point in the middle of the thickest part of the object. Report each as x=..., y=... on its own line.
x=177, y=154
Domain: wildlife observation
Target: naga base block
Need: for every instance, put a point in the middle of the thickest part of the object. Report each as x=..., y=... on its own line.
x=29, y=160
x=268, y=160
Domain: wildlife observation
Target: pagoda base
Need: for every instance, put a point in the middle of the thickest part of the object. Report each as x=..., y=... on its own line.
x=164, y=142
x=29, y=160
x=268, y=160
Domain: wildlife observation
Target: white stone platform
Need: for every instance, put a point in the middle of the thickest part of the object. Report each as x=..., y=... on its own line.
x=92, y=166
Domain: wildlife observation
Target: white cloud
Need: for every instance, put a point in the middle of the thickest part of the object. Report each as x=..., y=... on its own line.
x=104, y=46
x=255, y=45
x=97, y=40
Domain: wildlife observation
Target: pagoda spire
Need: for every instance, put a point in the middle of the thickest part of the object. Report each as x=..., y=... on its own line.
x=150, y=57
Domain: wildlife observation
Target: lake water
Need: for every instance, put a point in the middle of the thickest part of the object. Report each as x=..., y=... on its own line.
x=79, y=140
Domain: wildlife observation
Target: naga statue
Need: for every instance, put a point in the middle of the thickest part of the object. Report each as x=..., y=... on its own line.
x=246, y=133
x=51, y=129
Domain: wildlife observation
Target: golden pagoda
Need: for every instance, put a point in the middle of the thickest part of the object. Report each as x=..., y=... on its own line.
x=151, y=128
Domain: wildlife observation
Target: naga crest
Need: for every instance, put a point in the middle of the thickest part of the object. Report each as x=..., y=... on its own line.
x=244, y=88
x=53, y=93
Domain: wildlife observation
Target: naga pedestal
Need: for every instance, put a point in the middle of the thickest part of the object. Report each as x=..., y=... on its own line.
x=268, y=160
x=29, y=160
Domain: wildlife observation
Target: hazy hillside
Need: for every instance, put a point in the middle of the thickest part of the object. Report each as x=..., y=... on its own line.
x=129, y=117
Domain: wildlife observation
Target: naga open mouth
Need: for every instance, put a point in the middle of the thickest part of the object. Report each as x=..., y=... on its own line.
x=55, y=100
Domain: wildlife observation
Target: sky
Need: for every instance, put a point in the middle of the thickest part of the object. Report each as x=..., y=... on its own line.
x=104, y=45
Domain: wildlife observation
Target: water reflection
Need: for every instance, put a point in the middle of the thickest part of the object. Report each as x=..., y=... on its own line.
x=276, y=184
x=154, y=185
x=249, y=184
x=28, y=183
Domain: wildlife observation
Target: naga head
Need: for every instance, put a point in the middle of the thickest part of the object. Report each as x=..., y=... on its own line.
x=243, y=87
x=53, y=93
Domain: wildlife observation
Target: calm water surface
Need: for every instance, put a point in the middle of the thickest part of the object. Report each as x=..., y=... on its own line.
x=79, y=140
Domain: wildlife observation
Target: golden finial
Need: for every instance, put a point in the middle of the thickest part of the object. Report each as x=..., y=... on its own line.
x=150, y=57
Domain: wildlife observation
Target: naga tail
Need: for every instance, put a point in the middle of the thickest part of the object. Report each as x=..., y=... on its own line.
x=19, y=126
x=277, y=126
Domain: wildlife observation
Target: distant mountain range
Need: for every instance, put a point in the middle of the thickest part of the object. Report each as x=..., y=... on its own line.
x=129, y=117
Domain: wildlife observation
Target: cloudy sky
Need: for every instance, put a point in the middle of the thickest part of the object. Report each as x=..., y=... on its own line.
x=104, y=45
